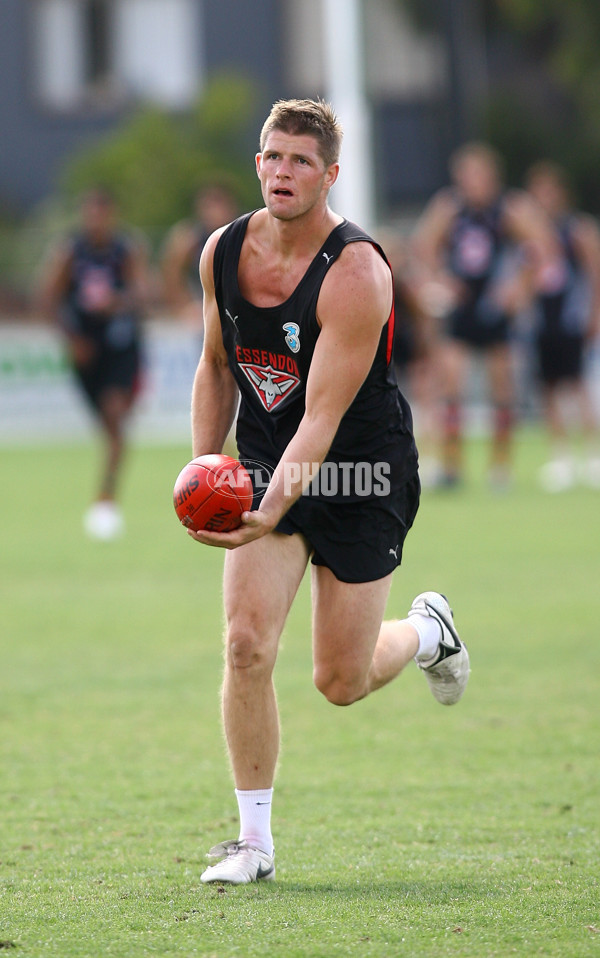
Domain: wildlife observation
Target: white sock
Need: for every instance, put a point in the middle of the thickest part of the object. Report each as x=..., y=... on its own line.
x=429, y=631
x=255, y=817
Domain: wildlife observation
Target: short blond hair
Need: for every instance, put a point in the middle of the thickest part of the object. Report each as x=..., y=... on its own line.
x=307, y=118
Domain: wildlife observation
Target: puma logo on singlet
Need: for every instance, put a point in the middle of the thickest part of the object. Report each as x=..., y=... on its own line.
x=394, y=552
x=328, y=258
x=233, y=319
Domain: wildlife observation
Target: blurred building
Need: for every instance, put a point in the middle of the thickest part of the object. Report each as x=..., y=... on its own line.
x=71, y=69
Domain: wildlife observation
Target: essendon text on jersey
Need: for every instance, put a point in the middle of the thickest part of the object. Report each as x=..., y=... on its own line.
x=278, y=362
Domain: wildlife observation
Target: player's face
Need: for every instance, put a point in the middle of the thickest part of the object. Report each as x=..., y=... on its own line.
x=214, y=208
x=98, y=216
x=292, y=175
x=478, y=180
x=549, y=193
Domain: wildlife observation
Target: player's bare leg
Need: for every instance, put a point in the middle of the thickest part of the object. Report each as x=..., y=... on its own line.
x=424, y=383
x=454, y=362
x=500, y=372
x=104, y=519
x=561, y=472
x=553, y=414
x=355, y=653
x=260, y=583
x=114, y=408
x=589, y=425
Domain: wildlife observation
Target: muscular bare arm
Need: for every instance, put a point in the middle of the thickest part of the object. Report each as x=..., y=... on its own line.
x=431, y=232
x=529, y=227
x=586, y=237
x=136, y=294
x=214, y=393
x=175, y=262
x=53, y=281
x=528, y=224
x=428, y=245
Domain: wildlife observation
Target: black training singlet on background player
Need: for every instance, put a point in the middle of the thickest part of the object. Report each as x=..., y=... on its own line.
x=565, y=303
x=475, y=255
x=116, y=337
x=562, y=312
x=94, y=270
x=474, y=246
x=270, y=351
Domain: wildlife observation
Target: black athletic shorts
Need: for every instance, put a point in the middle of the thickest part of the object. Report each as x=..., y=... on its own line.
x=115, y=361
x=467, y=325
x=359, y=541
x=560, y=356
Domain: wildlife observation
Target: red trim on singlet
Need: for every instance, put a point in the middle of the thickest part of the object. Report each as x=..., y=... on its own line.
x=390, y=335
x=392, y=316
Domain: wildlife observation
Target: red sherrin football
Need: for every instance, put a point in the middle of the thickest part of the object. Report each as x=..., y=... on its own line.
x=211, y=493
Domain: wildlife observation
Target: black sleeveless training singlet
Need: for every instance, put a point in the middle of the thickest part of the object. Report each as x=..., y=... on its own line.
x=476, y=254
x=95, y=266
x=475, y=245
x=270, y=351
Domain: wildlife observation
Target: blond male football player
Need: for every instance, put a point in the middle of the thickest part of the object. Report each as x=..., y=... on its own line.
x=297, y=296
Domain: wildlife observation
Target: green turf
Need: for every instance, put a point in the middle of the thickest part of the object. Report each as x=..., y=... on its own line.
x=402, y=828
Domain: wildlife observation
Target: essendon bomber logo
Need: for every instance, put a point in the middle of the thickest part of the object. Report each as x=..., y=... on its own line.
x=273, y=375
x=270, y=386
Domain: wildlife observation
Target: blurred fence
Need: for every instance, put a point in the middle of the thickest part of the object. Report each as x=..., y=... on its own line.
x=39, y=401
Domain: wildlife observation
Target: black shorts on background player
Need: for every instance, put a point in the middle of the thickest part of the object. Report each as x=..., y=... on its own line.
x=477, y=327
x=115, y=358
x=561, y=316
x=560, y=356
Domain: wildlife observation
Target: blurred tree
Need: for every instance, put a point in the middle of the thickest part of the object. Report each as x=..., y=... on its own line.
x=543, y=77
x=567, y=36
x=562, y=40
x=155, y=162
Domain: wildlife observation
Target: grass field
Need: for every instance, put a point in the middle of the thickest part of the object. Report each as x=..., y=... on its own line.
x=402, y=828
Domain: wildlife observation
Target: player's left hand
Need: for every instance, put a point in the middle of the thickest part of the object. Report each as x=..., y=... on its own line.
x=254, y=525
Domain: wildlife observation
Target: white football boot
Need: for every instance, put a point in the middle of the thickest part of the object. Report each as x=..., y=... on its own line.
x=448, y=670
x=558, y=475
x=104, y=521
x=239, y=864
x=591, y=472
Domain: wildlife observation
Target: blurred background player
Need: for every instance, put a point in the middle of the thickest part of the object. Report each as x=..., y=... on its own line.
x=467, y=241
x=214, y=206
x=95, y=285
x=566, y=316
x=415, y=350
